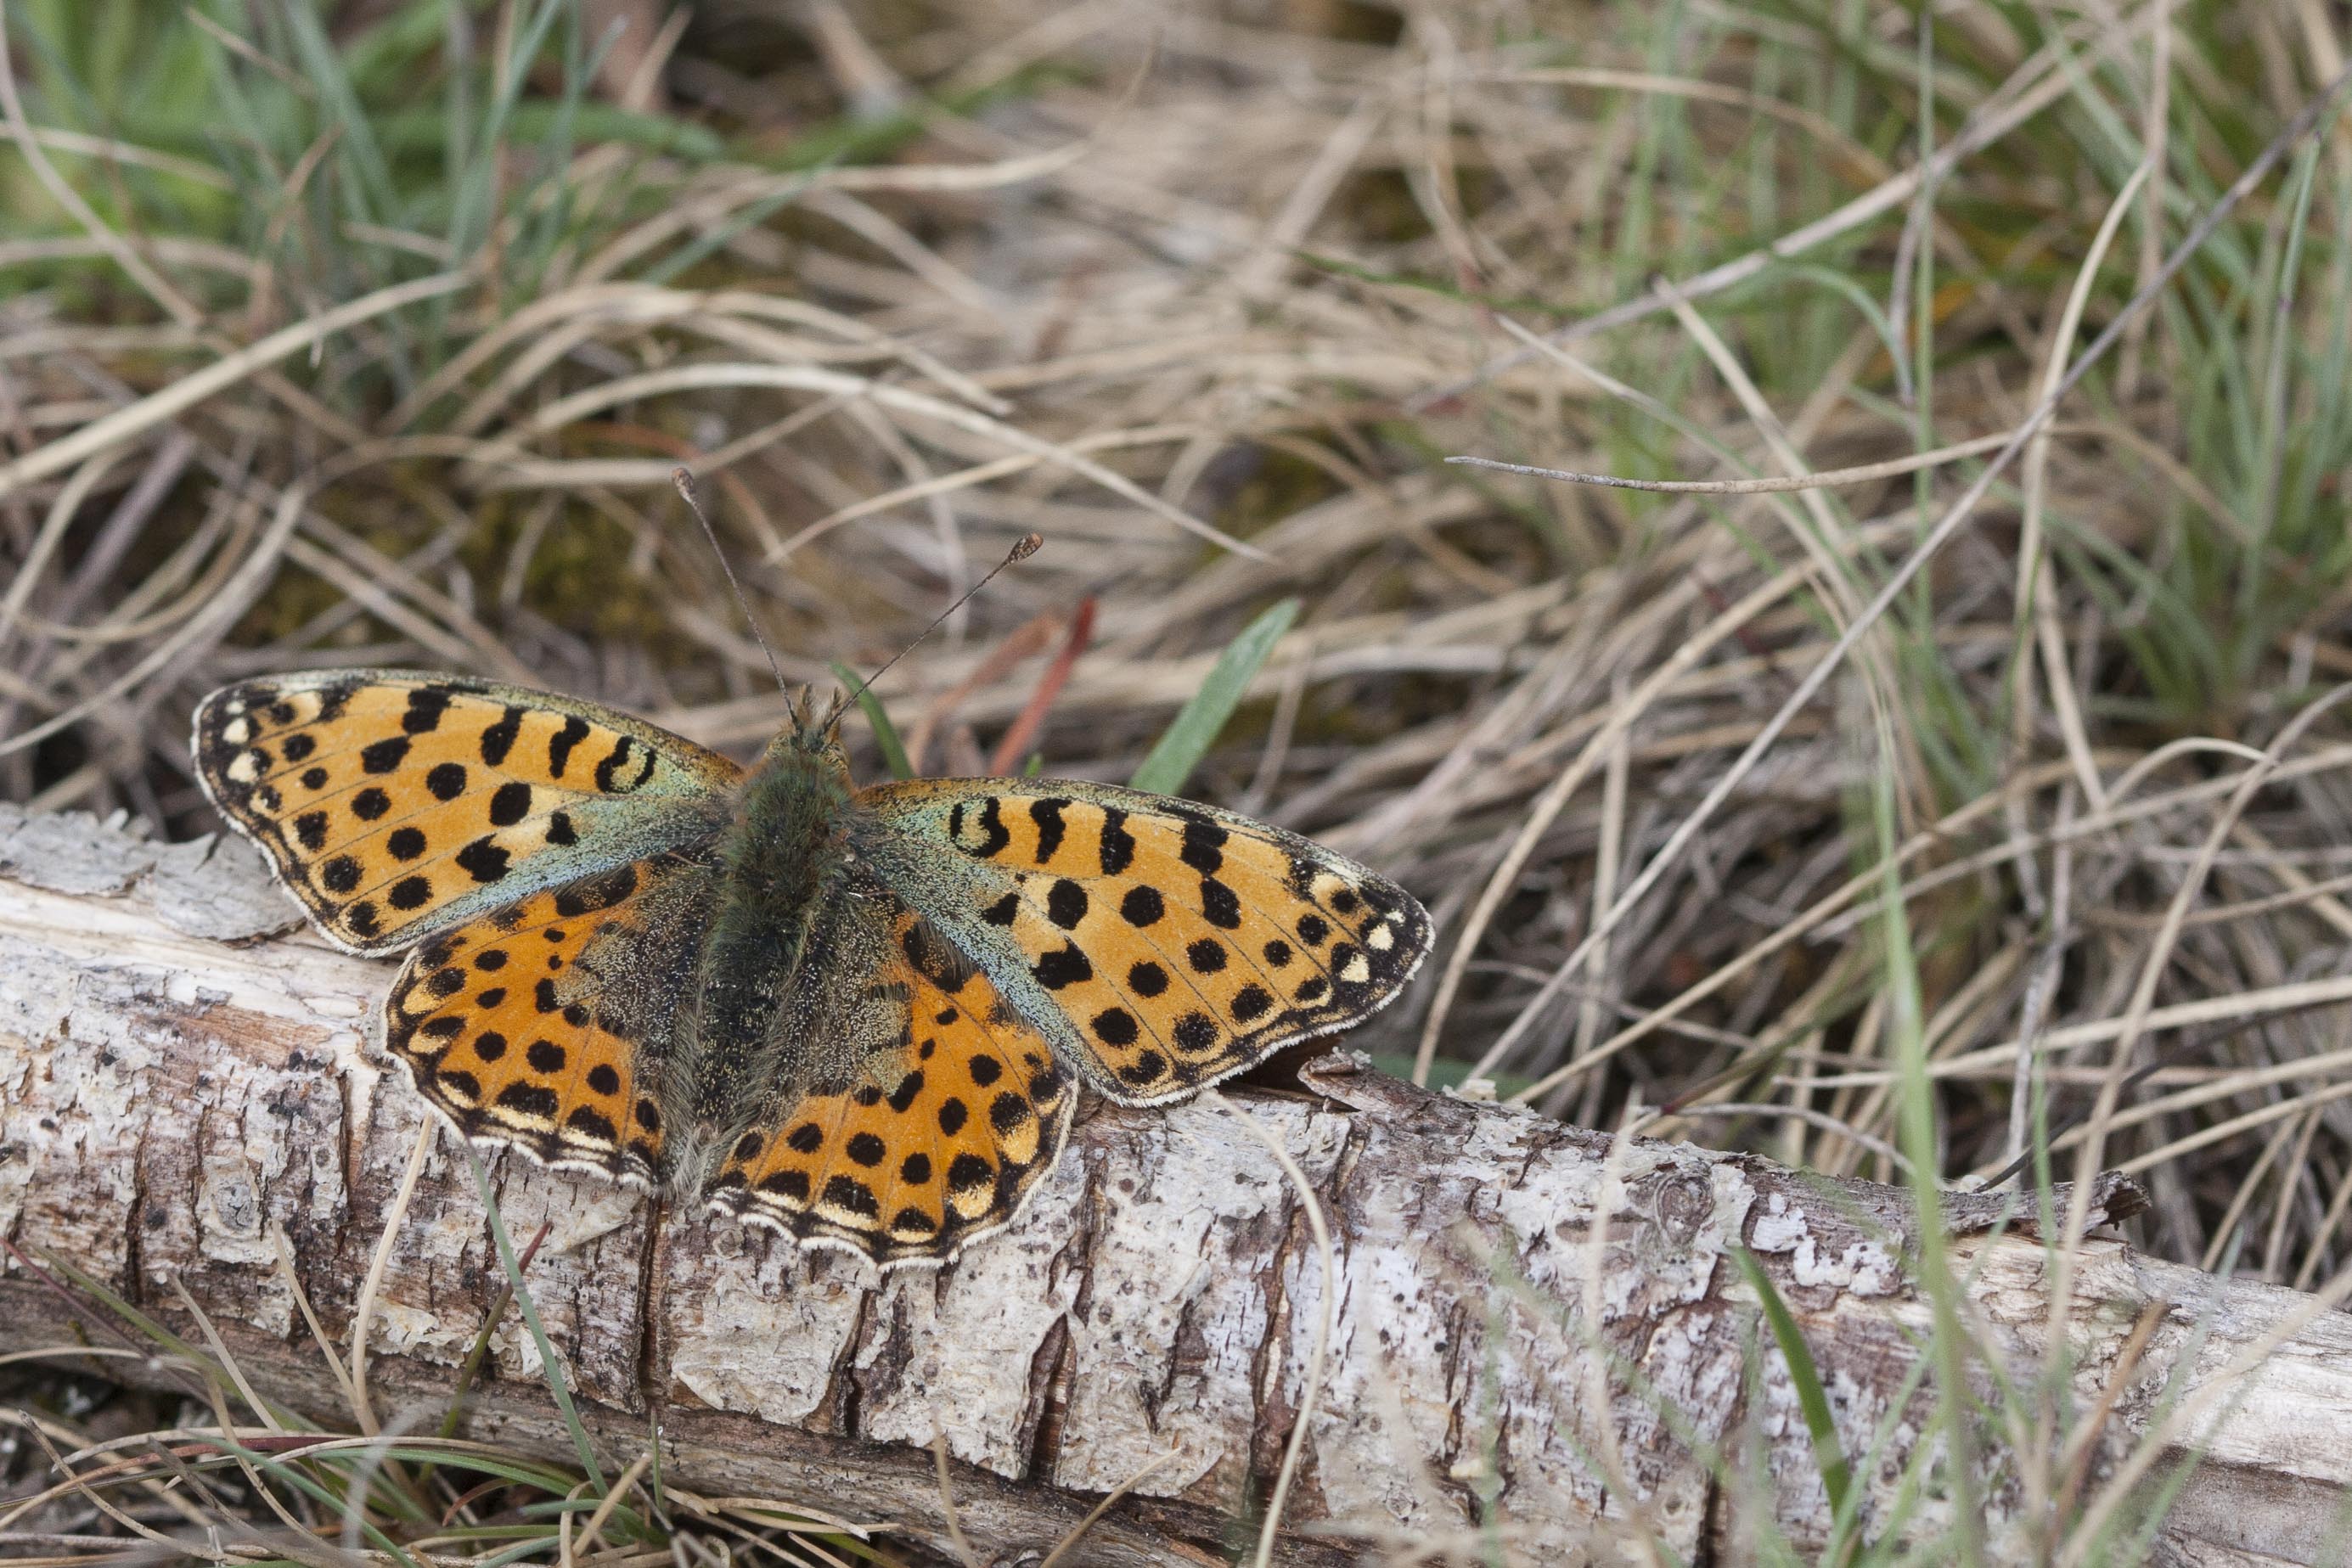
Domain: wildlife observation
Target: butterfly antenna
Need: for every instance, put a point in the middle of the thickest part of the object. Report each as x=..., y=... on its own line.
x=685, y=483
x=1027, y=546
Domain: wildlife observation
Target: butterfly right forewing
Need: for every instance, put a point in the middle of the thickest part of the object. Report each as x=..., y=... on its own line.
x=1164, y=944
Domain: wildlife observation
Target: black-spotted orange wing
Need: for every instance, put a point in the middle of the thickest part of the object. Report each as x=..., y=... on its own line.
x=396, y=804
x=549, y=1024
x=916, y=1110
x=1159, y=944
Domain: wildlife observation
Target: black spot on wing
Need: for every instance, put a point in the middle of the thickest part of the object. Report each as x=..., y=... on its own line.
x=559, y=745
x=509, y=804
x=1046, y=815
x=592, y=1123
x=1204, y=848
x=618, y=774
x=530, y=1098
x=1147, y=1068
x=1067, y=966
x=425, y=707
x=1118, y=849
x=851, y=1196
x=499, y=739
x=483, y=860
x=1065, y=903
x=991, y=823
x=384, y=755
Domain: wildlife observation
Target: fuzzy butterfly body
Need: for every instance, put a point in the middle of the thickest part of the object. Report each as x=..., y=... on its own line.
x=858, y=1017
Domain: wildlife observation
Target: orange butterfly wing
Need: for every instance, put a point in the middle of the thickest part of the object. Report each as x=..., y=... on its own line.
x=547, y=1025
x=923, y=1110
x=1162, y=945
x=395, y=804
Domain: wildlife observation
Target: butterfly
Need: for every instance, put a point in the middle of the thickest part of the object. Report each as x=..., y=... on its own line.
x=860, y=1017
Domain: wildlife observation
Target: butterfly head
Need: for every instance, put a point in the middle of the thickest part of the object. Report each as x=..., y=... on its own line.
x=810, y=744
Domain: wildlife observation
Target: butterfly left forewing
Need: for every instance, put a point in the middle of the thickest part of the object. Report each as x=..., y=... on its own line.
x=1165, y=945
x=395, y=804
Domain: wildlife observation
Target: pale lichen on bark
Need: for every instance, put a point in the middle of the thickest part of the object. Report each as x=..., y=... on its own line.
x=178, y=1082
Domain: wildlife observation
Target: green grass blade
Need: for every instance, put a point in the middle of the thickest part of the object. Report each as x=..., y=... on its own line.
x=1828, y=1454
x=886, y=734
x=558, y=1384
x=1197, y=727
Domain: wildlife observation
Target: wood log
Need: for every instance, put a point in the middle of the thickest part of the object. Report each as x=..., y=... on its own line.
x=1533, y=1330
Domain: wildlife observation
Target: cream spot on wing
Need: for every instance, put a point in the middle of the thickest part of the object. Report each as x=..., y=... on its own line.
x=243, y=768
x=237, y=731
x=1379, y=938
x=1356, y=971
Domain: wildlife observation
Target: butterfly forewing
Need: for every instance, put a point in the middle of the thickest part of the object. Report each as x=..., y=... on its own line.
x=547, y=1025
x=395, y=804
x=924, y=1110
x=1172, y=944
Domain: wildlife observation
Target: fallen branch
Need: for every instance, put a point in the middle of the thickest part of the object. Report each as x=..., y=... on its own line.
x=170, y=1100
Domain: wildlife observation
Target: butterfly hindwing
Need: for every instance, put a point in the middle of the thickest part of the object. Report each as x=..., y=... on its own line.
x=395, y=804
x=547, y=1024
x=1167, y=945
x=923, y=1109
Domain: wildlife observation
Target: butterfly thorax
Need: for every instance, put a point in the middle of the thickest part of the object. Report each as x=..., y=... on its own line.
x=782, y=853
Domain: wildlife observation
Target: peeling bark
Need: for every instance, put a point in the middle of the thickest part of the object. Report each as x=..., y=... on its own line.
x=168, y=1100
